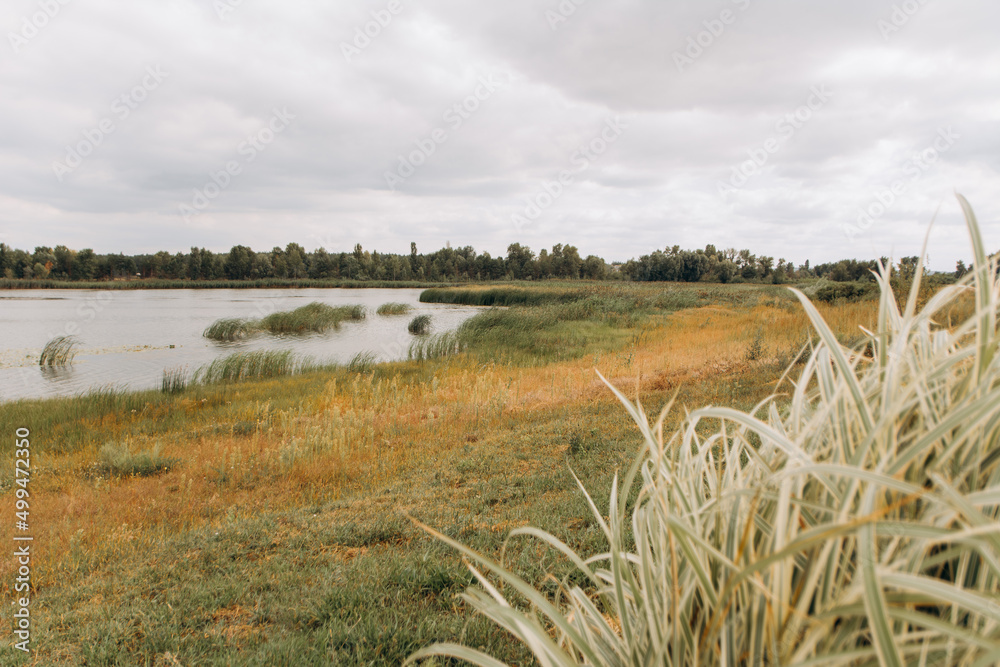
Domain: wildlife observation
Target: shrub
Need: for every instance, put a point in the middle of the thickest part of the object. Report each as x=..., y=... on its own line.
x=856, y=291
x=858, y=524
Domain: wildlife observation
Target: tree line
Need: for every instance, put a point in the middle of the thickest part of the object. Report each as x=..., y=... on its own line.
x=446, y=265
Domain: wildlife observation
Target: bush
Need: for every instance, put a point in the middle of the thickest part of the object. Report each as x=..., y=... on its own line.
x=856, y=291
x=855, y=524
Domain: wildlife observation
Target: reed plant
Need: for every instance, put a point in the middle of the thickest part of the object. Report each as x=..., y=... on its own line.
x=437, y=346
x=313, y=317
x=394, y=309
x=58, y=352
x=853, y=522
x=231, y=329
x=362, y=362
x=174, y=381
x=420, y=325
x=257, y=365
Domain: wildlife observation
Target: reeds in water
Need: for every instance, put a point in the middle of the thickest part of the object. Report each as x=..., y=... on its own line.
x=58, y=352
x=231, y=329
x=315, y=317
x=257, y=365
x=394, y=309
x=420, y=325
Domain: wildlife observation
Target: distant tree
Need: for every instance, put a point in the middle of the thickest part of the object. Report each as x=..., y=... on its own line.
x=86, y=265
x=239, y=263
x=519, y=261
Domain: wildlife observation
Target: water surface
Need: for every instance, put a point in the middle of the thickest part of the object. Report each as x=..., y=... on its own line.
x=129, y=337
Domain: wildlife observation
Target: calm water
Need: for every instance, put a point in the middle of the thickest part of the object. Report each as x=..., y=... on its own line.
x=128, y=337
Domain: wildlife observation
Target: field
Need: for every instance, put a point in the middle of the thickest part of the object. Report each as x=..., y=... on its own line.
x=269, y=521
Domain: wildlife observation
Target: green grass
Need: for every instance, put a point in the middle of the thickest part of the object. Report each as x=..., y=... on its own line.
x=420, y=325
x=59, y=352
x=116, y=460
x=437, y=346
x=502, y=296
x=362, y=362
x=174, y=381
x=243, y=366
x=394, y=309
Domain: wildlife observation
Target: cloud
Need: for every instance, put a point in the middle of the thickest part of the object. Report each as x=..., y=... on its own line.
x=371, y=83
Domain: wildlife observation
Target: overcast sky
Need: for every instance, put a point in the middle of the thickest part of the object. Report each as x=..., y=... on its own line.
x=768, y=124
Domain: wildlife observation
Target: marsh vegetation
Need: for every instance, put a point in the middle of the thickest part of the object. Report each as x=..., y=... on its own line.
x=270, y=479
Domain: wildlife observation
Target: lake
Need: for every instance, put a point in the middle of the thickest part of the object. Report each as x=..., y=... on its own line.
x=129, y=337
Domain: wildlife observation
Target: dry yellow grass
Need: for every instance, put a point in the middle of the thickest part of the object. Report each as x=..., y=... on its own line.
x=360, y=432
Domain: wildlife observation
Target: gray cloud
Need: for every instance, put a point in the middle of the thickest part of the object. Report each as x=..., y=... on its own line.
x=563, y=74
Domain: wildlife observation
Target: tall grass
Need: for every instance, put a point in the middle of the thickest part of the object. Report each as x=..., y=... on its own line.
x=855, y=523
x=502, y=296
x=315, y=317
x=58, y=352
x=257, y=365
x=231, y=329
x=436, y=346
x=174, y=381
x=420, y=325
x=394, y=309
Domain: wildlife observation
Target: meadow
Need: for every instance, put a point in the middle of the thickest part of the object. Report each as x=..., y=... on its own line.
x=267, y=517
